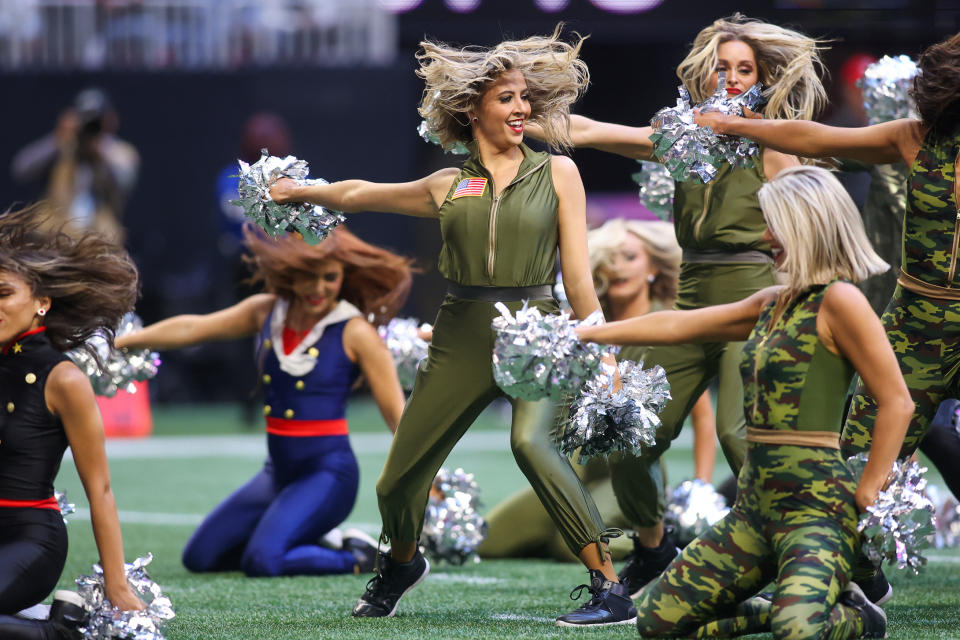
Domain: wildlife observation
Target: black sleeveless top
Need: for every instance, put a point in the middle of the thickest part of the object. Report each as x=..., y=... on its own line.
x=32, y=440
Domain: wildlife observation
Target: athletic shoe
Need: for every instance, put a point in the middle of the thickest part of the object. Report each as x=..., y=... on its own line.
x=610, y=604
x=332, y=539
x=68, y=613
x=645, y=564
x=874, y=619
x=392, y=582
x=364, y=552
x=876, y=588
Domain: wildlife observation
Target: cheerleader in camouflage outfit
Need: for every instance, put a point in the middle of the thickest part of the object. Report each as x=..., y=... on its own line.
x=795, y=517
x=922, y=319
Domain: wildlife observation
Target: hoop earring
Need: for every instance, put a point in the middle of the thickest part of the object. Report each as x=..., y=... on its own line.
x=41, y=312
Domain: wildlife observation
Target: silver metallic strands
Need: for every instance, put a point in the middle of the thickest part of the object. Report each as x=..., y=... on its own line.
x=689, y=151
x=602, y=420
x=452, y=528
x=656, y=188
x=897, y=525
x=401, y=335
x=539, y=356
x=693, y=507
x=312, y=222
x=109, y=622
x=66, y=508
x=885, y=85
x=121, y=367
x=429, y=136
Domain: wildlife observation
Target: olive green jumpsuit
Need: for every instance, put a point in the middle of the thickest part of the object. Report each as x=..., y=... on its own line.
x=719, y=226
x=489, y=241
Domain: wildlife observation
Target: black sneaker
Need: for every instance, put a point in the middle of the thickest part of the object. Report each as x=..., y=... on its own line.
x=874, y=619
x=876, y=588
x=68, y=613
x=391, y=583
x=609, y=605
x=645, y=564
x=364, y=552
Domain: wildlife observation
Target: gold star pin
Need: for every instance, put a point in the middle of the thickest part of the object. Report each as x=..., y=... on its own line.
x=17, y=348
x=30, y=378
x=313, y=352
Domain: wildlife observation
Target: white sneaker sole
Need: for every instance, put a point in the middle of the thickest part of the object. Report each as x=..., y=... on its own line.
x=426, y=571
x=360, y=535
x=885, y=597
x=561, y=623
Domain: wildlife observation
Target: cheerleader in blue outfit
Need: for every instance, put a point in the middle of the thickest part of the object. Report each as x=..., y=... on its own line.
x=313, y=342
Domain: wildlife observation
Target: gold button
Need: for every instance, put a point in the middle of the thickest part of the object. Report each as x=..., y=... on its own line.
x=300, y=385
x=9, y=407
x=267, y=344
x=30, y=378
x=266, y=378
x=288, y=414
x=266, y=409
x=313, y=352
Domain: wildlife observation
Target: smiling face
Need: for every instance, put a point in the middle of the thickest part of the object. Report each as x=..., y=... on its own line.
x=318, y=293
x=502, y=111
x=18, y=307
x=737, y=59
x=628, y=274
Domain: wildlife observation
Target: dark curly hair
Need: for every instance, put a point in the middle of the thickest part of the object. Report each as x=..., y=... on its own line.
x=90, y=280
x=375, y=280
x=936, y=89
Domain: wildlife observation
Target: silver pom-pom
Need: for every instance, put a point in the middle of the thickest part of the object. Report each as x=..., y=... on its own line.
x=897, y=526
x=428, y=135
x=692, y=508
x=538, y=356
x=121, y=367
x=885, y=85
x=689, y=151
x=109, y=622
x=948, y=524
x=656, y=189
x=66, y=508
x=401, y=335
x=602, y=420
x=312, y=222
x=452, y=528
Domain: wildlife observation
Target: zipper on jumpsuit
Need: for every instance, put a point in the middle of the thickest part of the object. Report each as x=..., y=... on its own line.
x=494, y=207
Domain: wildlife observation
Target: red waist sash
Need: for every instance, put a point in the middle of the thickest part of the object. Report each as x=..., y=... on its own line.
x=305, y=428
x=46, y=503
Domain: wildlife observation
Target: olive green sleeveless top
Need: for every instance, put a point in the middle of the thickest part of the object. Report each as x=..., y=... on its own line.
x=791, y=381
x=508, y=240
x=723, y=214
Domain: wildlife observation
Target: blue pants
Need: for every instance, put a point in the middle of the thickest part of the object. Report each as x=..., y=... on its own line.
x=271, y=526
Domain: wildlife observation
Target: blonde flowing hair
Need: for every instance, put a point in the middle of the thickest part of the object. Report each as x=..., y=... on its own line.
x=820, y=228
x=788, y=65
x=456, y=79
x=660, y=242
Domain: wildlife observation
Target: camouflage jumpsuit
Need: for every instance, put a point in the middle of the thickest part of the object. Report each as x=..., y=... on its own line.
x=795, y=517
x=924, y=330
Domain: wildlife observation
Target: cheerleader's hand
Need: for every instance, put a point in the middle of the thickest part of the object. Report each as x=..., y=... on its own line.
x=284, y=190
x=713, y=119
x=123, y=597
x=865, y=497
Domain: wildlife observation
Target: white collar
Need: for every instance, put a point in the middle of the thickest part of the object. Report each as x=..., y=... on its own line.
x=299, y=362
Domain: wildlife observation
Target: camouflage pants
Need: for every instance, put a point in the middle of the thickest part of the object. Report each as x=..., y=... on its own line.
x=794, y=521
x=925, y=335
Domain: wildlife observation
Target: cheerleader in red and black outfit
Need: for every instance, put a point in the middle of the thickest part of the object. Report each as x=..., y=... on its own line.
x=55, y=292
x=313, y=343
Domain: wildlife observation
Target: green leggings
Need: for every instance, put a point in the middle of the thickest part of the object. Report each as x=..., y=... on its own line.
x=453, y=386
x=794, y=521
x=690, y=370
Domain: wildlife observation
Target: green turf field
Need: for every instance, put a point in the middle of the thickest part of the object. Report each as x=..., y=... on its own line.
x=165, y=484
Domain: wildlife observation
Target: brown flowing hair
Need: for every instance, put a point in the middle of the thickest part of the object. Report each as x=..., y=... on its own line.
x=375, y=280
x=936, y=89
x=90, y=280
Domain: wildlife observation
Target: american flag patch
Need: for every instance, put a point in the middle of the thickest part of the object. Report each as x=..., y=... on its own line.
x=470, y=187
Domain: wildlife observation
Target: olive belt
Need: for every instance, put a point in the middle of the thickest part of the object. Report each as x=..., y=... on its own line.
x=727, y=257
x=926, y=289
x=499, y=294
x=828, y=439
